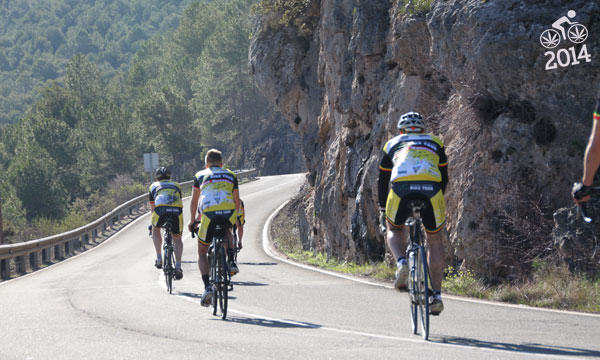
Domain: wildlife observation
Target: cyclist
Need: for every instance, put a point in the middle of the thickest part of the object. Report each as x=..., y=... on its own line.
x=415, y=165
x=591, y=161
x=239, y=224
x=165, y=202
x=215, y=194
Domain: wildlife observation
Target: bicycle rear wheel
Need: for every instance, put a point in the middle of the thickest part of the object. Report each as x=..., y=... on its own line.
x=168, y=267
x=423, y=290
x=213, y=278
x=413, y=293
x=223, y=283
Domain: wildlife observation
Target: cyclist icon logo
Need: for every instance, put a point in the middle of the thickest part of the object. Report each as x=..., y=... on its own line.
x=563, y=29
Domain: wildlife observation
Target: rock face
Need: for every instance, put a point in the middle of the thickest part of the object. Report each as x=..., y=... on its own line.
x=514, y=132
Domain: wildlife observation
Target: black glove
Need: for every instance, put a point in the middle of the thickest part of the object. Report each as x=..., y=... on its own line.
x=382, y=221
x=580, y=191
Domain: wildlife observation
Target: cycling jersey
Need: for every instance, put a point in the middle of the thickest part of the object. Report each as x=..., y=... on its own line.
x=597, y=110
x=166, y=197
x=165, y=193
x=414, y=157
x=216, y=187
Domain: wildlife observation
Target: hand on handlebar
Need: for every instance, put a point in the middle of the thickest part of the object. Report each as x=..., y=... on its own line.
x=580, y=192
x=193, y=227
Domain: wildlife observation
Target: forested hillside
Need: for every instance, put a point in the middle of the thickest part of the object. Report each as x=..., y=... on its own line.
x=38, y=37
x=78, y=150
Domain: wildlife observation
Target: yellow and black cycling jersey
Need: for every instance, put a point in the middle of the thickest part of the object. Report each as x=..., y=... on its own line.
x=165, y=193
x=216, y=187
x=414, y=157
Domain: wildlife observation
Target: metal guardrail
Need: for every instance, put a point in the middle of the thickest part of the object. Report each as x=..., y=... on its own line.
x=21, y=258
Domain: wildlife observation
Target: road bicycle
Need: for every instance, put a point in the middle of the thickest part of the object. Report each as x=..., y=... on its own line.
x=219, y=276
x=168, y=255
x=418, y=281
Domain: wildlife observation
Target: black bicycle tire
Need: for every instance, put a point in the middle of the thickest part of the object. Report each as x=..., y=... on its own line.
x=213, y=279
x=423, y=291
x=414, y=309
x=167, y=264
x=223, y=283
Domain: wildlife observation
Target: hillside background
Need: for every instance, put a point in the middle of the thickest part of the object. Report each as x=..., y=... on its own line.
x=91, y=86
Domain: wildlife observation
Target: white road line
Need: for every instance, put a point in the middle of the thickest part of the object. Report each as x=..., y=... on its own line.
x=267, y=247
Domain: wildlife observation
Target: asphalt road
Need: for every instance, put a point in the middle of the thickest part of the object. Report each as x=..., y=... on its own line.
x=111, y=303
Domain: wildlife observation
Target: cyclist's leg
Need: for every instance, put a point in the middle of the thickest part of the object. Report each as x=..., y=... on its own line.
x=156, y=234
x=396, y=214
x=434, y=218
x=204, y=239
x=230, y=250
x=177, y=243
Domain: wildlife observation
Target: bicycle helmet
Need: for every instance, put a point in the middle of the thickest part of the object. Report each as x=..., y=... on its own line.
x=411, y=122
x=162, y=173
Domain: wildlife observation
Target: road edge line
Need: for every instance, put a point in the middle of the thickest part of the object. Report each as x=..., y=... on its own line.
x=270, y=250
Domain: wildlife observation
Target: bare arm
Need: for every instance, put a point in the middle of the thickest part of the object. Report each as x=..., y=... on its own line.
x=236, y=200
x=591, y=161
x=194, y=205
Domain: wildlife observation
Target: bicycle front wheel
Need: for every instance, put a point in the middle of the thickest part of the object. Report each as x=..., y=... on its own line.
x=423, y=290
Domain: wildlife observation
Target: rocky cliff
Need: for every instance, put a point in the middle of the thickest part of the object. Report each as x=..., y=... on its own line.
x=514, y=131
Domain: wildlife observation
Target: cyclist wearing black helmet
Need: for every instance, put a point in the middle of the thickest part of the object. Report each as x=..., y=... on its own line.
x=165, y=202
x=415, y=165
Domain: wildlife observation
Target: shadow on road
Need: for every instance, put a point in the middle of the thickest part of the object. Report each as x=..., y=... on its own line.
x=539, y=349
x=248, y=283
x=198, y=296
x=258, y=263
x=272, y=323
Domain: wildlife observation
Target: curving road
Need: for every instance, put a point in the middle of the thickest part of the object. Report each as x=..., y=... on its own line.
x=110, y=303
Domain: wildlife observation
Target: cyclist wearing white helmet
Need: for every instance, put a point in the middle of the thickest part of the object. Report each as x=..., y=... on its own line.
x=415, y=165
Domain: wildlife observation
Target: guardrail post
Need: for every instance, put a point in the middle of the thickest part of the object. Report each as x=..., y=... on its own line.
x=68, y=248
x=34, y=260
x=5, y=269
x=59, y=252
x=47, y=255
x=20, y=264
